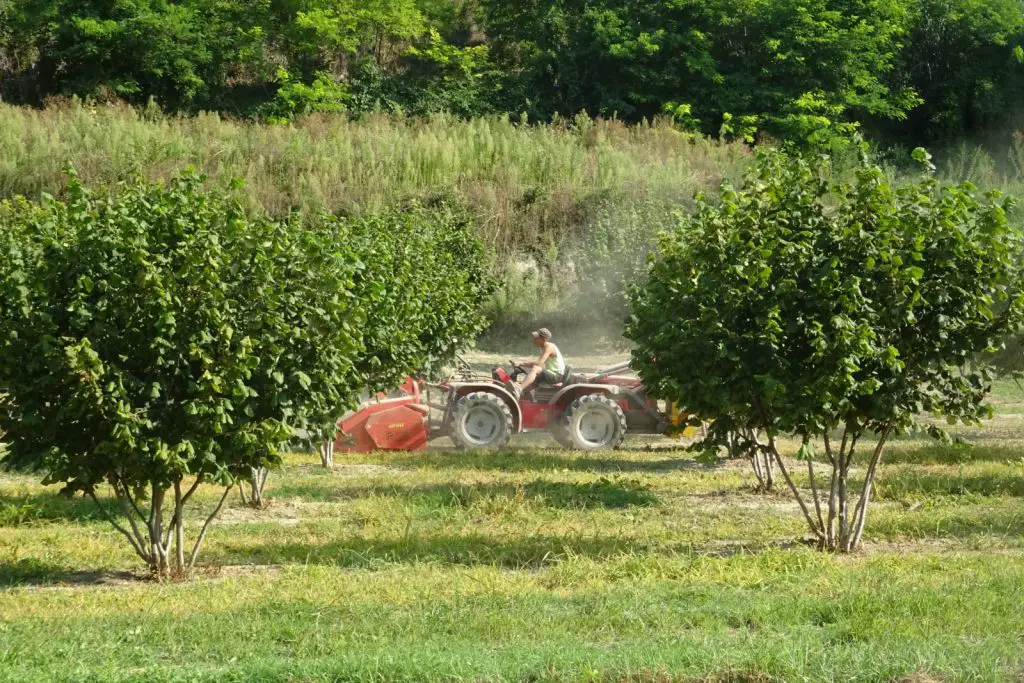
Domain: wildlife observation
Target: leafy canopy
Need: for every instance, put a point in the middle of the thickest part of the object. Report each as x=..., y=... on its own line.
x=423, y=284
x=164, y=334
x=799, y=302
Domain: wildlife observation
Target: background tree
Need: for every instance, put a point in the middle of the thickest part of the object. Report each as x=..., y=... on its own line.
x=183, y=55
x=800, y=305
x=782, y=67
x=777, y=61
x=965, y=59
x=423, y=282
x=161, y=340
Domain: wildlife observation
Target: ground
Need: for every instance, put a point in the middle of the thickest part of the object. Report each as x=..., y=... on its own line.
x=541, y=565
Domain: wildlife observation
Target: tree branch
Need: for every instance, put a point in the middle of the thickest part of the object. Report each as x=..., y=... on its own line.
x=793, y=488
x=861, y=511
x=828, y=448
x=131, y=500
x=121, y=499
x=852, y=451
x=179, y=505
x=124, y=532
x=192, y=489
x=206, y=527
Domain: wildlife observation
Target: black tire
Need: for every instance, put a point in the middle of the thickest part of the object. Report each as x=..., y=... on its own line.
x=559, y=434
x=594, y=422
x=481, y=420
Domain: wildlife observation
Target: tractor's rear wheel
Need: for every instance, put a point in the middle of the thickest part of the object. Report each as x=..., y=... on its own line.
x=481, y=420
x=594, y=422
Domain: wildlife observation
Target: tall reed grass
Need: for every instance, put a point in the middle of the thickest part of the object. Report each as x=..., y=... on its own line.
x=523, y=183
x=567, y=209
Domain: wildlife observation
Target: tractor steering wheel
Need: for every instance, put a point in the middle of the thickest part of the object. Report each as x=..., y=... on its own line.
x=517, y=371
x=462, y=369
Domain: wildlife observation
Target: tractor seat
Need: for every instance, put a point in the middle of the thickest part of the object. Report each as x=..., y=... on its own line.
x=568, y=378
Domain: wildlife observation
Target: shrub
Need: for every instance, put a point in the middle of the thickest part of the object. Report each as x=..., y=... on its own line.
x=162, y=338
x=423, y=280
x=800, y=305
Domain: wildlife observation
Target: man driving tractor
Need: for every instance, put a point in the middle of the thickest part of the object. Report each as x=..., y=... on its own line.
x=549, y=368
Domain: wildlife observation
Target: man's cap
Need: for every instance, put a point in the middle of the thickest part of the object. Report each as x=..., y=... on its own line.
x=543, y=333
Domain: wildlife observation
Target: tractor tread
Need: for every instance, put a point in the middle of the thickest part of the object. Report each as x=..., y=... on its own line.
x=591, y=402
x=475, y=399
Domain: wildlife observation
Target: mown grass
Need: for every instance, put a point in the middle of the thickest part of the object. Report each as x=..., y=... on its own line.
x=784, y=615
x=532, y=565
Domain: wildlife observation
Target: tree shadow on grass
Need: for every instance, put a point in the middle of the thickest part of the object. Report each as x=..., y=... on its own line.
x=34, y=573
x=527, y=552
x=537, y=460
x=604, y=493
x=49, y=507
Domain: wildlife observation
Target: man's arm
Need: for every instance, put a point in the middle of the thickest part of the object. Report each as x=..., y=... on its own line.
x=545, y=354
x=548, y=351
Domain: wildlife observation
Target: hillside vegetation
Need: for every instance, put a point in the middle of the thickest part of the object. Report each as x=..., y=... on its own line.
x=567, y=210
x=909, y=70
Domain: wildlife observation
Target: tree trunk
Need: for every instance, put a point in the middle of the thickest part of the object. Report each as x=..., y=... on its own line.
x=811, y=522
x=158, y=562
x=206, y=527
x=843, y=502
x=179, y=530
x=833, y=494
x=257, y=482
x=814, y=494
x=754, y=456
x=757, y=454
x=860, y=513
x=327, y=454
x=769, y=472
x=152, y=540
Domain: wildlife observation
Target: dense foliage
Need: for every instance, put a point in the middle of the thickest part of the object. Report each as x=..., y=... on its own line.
x=917, y=69
x=423, y=283
x=799, y=305
x=165, y=336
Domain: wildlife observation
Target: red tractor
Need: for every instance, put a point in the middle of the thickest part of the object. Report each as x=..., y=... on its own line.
x=586, y=412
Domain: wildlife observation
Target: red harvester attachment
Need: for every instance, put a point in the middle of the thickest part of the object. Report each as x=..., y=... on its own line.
x=391, y=424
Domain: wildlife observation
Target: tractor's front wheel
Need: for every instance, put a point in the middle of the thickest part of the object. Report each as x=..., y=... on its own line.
x=594, y=422
x=481, y=420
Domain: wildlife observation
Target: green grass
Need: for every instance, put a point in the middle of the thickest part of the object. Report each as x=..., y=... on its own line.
x=537, y=565
x=777, y=614
x=532, y=565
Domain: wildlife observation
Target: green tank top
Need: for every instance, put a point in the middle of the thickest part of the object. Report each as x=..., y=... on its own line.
x=555, y=364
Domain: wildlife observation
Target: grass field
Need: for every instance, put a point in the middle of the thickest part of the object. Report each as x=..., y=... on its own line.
x=538, y=565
